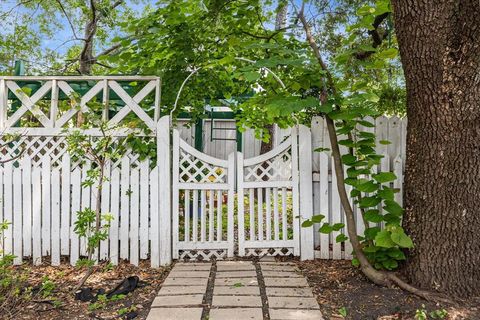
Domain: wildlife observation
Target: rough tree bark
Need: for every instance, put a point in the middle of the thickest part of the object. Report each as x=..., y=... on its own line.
x=440, y=51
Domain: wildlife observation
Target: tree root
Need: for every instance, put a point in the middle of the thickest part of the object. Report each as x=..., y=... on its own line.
x=427, y=295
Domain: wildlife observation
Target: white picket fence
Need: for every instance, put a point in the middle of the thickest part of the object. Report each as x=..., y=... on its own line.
x=42, y=191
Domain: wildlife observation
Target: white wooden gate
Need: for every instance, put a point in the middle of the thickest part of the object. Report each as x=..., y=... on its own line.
x=270, y=226
x=203, y=203
x=204, y=206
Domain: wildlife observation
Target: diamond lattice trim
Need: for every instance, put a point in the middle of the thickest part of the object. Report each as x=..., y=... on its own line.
x=269, y=252
x=278, y=168
x=39, y=147
x=194, y=170
x=203, y=255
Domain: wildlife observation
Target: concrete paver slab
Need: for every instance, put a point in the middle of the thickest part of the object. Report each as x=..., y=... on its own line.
x=236, y=314
x=175, y=314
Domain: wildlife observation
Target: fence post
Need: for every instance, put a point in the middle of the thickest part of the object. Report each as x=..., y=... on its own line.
x=306, y=193
x=164, y=190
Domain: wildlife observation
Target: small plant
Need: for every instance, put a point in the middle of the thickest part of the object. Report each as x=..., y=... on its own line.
x=423, y=314
x=343, y=312
x=92, y=224
x=47, y=287
x=126, y=310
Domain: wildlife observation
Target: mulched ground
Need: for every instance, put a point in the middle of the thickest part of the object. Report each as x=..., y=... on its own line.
x=336, y=284
x=60, y=304
x=339, y=285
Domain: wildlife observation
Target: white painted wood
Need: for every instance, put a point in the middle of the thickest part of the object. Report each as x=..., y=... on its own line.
x=175, y=192
x=54, y=103
x=195, y=213
x=306, y=192
x=55, y=227
x=398, y=183
x=219, y=196
x=17, y=216
x=295, y=189
x=105, y=208
x=203, y=216
x=251, y=212
x=211, y=215
x=164, y=189
x=154, y=220
x=65, y=206
x=3, y=102
x=115, y=211
x=36, y=216
x=125, y=192
x=76, y=177
x=85, y=203
x=324, y=203
x=241, y=205
x=260, y=213
x=134, y=216
x=144, y=204
x=336, y=217
x=268, y=214
x=8, y=205
x=186, y=215
x=276, y=214
x=26, y=165
x=230, y=205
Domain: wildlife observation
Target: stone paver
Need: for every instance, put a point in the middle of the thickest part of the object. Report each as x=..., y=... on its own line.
x=292, y=303
x=177, y=290
x=239, y=266
x=175, y=314
x=295, y=314
x=281, y=274
x=192, y=267
x=236, y=314
x=286, y=282
x=178, y=301
x=236, y=274
x=189, y=274
x=176, y=281
x=251, y=281
x=237, y=301
x=231, y=290
x=289, y=292
x=235, y=294
x=270, y=267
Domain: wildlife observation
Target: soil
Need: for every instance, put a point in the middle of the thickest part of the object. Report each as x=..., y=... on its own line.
x=61, y=303
x=337, y=284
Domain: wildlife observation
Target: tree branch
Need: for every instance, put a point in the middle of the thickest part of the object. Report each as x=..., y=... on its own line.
x=69, y=20
x=377, y=38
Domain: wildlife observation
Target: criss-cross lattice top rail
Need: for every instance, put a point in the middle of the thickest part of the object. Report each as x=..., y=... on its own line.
x=48, y=104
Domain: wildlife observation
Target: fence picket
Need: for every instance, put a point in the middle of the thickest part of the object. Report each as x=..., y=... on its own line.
x=124, y=207
x=76, y=178
x=36, y=216
x=144, y=204
x=65, y=205
x=8, y=205
x=17, y=216
x=134, y=216
x=105, y=208
x=115, y=211
x=26, y=205
x=55, y=223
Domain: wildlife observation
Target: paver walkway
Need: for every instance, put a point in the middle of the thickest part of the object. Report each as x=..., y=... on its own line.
x=235, y=290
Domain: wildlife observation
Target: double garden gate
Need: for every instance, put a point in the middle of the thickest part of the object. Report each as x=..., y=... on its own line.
x=245, y=207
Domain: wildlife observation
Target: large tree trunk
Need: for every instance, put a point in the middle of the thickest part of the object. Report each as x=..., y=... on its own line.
x=440, y=50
